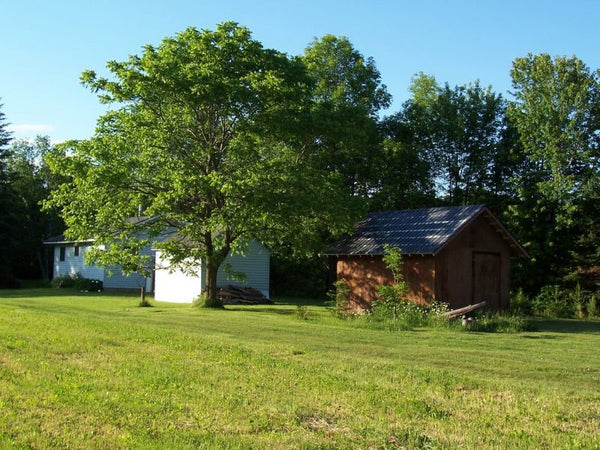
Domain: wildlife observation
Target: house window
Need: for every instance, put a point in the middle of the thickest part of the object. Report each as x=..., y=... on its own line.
x=76, y=251
x=62, y=253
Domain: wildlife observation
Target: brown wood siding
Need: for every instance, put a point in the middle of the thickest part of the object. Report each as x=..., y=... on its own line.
x=364, y=273
x=454, y=266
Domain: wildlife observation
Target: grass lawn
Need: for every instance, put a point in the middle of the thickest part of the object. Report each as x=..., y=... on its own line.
x=94, y=370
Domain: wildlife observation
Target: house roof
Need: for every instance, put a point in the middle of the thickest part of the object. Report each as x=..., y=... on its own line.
x=416, y=231
x=60, y=238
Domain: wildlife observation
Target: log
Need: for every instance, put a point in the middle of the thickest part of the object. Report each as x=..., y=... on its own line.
x=464, y=310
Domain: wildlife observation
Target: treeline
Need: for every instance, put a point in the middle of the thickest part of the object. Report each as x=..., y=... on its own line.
x=533, y=158
x=25, y=181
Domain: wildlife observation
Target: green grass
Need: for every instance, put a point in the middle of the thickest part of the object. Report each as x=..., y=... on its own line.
x=95, y=371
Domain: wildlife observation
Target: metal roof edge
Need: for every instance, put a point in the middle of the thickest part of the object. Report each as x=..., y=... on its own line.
x=482, y=210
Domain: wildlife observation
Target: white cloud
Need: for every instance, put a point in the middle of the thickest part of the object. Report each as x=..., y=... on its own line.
x=28, y=127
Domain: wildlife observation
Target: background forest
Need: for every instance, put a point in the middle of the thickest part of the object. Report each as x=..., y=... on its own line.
x=533, y=157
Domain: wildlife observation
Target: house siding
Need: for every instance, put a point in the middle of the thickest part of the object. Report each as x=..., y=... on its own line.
x=253, y=263
x=114, y=278
x=75, y=264
x=177, y=286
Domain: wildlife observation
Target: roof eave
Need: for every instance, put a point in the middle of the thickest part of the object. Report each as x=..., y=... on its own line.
x=68, y=242
x=484, y=210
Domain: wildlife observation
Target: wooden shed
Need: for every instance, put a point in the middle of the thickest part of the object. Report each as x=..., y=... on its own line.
x=458, y=255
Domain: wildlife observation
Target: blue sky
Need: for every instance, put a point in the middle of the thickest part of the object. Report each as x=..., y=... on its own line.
x=45, y=45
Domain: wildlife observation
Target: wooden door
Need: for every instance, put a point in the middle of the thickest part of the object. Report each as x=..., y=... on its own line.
x=486, y=279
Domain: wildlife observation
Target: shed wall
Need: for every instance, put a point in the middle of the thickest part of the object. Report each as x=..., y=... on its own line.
x=364, y=273
x=454, y=265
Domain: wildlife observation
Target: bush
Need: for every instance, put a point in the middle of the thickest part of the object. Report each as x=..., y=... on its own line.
x=552, y=301
x=500, y=323
x=88, y=284
x=76, y=281
x=592, y=306
x=519, y=303
x=409, y=314
x=339, y=299
x=393, y=299
x=66, y=281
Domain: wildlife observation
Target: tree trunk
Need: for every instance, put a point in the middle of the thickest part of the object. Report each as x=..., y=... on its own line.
x=43, y=263
x=214, y=259
x=211, y=282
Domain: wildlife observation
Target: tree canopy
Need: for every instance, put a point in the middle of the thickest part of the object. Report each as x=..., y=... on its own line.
x=209, y=137
x=556, y=111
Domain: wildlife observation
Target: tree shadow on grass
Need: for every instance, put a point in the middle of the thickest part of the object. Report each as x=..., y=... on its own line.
x=299, y=301
x=282, y=306
x=261, y=309
x=568, y=326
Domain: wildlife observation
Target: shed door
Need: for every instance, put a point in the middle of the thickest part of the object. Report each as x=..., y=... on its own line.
x=486, y=279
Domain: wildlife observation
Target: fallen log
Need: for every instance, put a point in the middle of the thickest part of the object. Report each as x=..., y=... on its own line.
x=464, y=310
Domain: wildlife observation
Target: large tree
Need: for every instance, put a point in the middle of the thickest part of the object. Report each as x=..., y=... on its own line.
x=31, y=181
x=461, y=132
x=556, y=110
x=348, y=97
x=5, y=138
x=7, y=219
x=208, y=137
x=457, y=142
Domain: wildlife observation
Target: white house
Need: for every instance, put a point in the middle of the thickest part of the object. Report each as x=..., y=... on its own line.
x=178, y=286
x=69, y=259
x=169, y=285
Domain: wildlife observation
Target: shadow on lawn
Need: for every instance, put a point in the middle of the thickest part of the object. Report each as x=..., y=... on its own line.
x=299, y=301
x=283, y=305
x=568, y=326
x=37, y=292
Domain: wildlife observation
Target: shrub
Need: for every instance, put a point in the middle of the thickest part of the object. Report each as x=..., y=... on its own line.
x=578, y=299
x=552, y=301
x=66, y=281
x=500, y=323
x=592, y=306
x=519, y=303
x=409, y=315
x=394, y=298
x=76, y=281
x=436, y=315
x=339, y=299
x=87, y=284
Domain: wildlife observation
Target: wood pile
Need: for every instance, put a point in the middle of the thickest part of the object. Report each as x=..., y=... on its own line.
x=236, y=295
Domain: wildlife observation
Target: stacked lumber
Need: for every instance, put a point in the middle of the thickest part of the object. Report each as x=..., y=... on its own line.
x=236, y=295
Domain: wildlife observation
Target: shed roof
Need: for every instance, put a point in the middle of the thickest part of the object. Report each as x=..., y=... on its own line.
x=415, y=231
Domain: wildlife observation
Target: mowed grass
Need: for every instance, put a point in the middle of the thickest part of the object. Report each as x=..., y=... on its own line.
x=96, y=371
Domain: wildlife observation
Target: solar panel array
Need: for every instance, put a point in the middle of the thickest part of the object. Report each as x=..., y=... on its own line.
x=420, y=231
